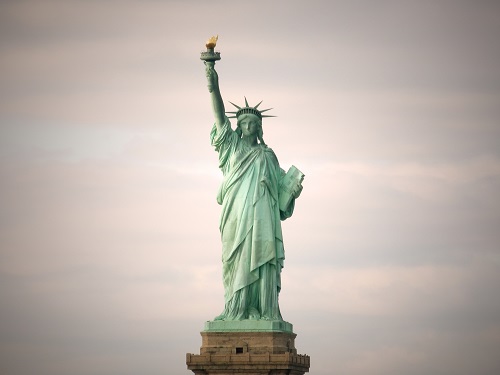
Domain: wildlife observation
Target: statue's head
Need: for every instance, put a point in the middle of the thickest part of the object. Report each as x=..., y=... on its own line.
x=249, y=114
x=249, y=124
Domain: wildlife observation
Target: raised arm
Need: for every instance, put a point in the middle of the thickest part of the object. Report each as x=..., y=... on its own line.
x=213, y=89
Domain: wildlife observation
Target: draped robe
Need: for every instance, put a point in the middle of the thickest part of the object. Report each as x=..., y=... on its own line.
x=250, y=226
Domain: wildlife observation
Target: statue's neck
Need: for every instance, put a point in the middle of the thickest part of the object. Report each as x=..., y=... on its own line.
x=250, y=141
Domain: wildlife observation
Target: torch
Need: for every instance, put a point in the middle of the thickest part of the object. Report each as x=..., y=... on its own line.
x=210, y=56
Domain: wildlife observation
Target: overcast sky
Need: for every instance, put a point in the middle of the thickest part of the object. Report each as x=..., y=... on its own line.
x=109, y=243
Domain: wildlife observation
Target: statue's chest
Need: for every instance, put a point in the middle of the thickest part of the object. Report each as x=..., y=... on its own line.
x=246, y=157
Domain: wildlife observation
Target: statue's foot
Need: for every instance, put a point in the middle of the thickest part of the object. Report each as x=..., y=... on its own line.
x=265, y=317
x=253, y=314
x=220, y=317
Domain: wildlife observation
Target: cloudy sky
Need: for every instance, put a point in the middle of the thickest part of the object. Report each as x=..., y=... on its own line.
x=109, y=242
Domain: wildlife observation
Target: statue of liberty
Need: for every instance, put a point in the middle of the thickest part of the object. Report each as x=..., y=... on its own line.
x=256, y=195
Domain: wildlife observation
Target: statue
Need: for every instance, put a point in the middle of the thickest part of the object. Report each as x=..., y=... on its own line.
x=256, y=194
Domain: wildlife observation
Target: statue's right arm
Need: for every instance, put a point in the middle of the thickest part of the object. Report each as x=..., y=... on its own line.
x=213, y=88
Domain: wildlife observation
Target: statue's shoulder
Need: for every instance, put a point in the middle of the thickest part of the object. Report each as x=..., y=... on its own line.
x=270, y=152
x=267, y=149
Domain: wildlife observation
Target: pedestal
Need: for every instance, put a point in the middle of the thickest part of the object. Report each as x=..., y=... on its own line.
x=248, y=347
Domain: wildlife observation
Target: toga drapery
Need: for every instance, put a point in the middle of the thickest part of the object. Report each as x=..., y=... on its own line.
x=252, y=242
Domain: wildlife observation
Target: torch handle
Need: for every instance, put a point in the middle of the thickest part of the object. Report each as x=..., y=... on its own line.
x=212, y=77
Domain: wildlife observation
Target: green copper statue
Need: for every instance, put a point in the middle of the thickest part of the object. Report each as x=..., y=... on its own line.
x=256, y=194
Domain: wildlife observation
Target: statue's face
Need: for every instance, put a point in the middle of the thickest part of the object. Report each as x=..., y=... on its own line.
x=249, y=124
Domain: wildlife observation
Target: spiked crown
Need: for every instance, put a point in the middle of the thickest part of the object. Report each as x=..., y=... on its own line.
x=248, y=110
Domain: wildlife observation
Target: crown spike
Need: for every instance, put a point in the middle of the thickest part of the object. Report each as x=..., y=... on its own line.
x=248, y=110
x=237, y=106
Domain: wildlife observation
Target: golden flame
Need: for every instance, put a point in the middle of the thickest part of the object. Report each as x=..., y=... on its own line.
x=212, y=42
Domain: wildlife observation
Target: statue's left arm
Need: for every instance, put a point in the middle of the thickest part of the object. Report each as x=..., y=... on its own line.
x=290, y=194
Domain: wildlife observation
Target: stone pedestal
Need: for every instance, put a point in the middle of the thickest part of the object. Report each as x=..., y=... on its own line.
x=248, y=347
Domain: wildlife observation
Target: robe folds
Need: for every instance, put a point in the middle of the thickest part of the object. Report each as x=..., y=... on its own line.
x=250, y=226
